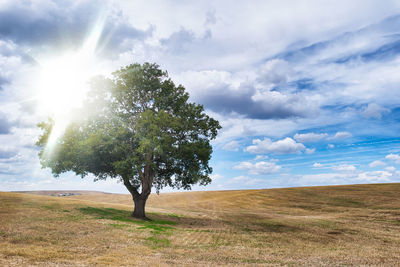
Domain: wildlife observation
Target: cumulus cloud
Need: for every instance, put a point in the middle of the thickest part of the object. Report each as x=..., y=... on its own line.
x=317, y=165
x=275, y=71
x=182, y=41
x=286, y=79
x=216, y=176
x=344, y=178
x=393, y=157
x=243, y=180
x=345, y=168
x=258, y=168
x=284, y=146
x=375, y=176
x=310, y=137
x=342, y=135
x=280, y=105
x=7, y=153
x=390, y=169
x=310, y=150
x=310, y=80
x=227, y=92
x=3, y=81
x=64, y=24
x=260, y=157
x=374, y=111
x=240, y=178
x=5, y=124
x=377, y=163
x=211, y=18
x=231, y=146
x=256, y=105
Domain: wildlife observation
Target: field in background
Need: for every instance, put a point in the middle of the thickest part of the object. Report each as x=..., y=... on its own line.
x=321, y=226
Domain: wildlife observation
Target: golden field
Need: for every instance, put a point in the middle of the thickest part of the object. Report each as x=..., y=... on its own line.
x=356, y=225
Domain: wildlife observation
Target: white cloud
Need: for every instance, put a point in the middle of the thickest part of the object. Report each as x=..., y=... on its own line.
x=330, y=146
x=374, y=111
x=231, y=146
x=377, y=163
x=344, y=178
x=390, y=169
x=208, y=41
x=284, y=146
x=275, y=71
x=310, y=150
x=310, y=137
x=260, y=157
x=262, y=167
x=243, y=180
x=216, y=176
x=239, y=178
x=342, y=135
x=235, y=127
x=376, y=176
x=345, y=168
x=393, y=157
x=317, y=165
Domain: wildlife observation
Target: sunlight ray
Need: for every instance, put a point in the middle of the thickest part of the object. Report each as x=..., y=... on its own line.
x=63, y=81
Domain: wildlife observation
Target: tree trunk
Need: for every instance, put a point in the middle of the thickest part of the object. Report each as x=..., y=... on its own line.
x=139, y=211
x=146, y=178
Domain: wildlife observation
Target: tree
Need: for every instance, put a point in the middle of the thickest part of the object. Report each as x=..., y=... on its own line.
x=137, y=127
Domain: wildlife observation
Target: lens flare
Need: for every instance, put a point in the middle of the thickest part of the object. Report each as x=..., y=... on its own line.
x=63, y=82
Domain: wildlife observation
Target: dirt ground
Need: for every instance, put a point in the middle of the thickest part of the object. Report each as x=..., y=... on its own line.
x=357, y=225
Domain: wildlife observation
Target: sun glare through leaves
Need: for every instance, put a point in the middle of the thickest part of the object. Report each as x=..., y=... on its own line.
x=64, y=81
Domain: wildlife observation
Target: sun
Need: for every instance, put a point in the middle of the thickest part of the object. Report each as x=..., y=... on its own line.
x=62, y=87
x=63, y=79
x=63, y=82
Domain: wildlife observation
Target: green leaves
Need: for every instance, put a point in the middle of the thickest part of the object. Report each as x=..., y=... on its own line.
x=138, y=126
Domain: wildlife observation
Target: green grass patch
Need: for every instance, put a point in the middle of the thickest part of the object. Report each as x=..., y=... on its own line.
x=172, y=215
x=163, y=222
x=156, y=228
x=107, y=213
x=157, y=242
x=103, y=212
x=52, y=207
x=124, y=216
x=326, y=224
x=345, y=202
x=198, y=230
x=248, y=230
x=271, y=226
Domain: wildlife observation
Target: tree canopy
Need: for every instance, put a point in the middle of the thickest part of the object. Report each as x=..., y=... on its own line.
x=139, y=127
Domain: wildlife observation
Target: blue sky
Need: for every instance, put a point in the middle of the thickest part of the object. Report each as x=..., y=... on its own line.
x=307, y=92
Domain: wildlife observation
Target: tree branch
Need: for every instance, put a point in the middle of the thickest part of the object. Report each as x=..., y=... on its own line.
x=130, y=187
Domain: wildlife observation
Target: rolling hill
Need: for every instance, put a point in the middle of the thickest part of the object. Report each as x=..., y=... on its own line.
x=310, y=226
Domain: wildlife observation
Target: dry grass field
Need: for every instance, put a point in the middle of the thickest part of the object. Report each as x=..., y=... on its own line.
x=356, y=225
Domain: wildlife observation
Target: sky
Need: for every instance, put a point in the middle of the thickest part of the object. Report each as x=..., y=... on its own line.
x=307, y=92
